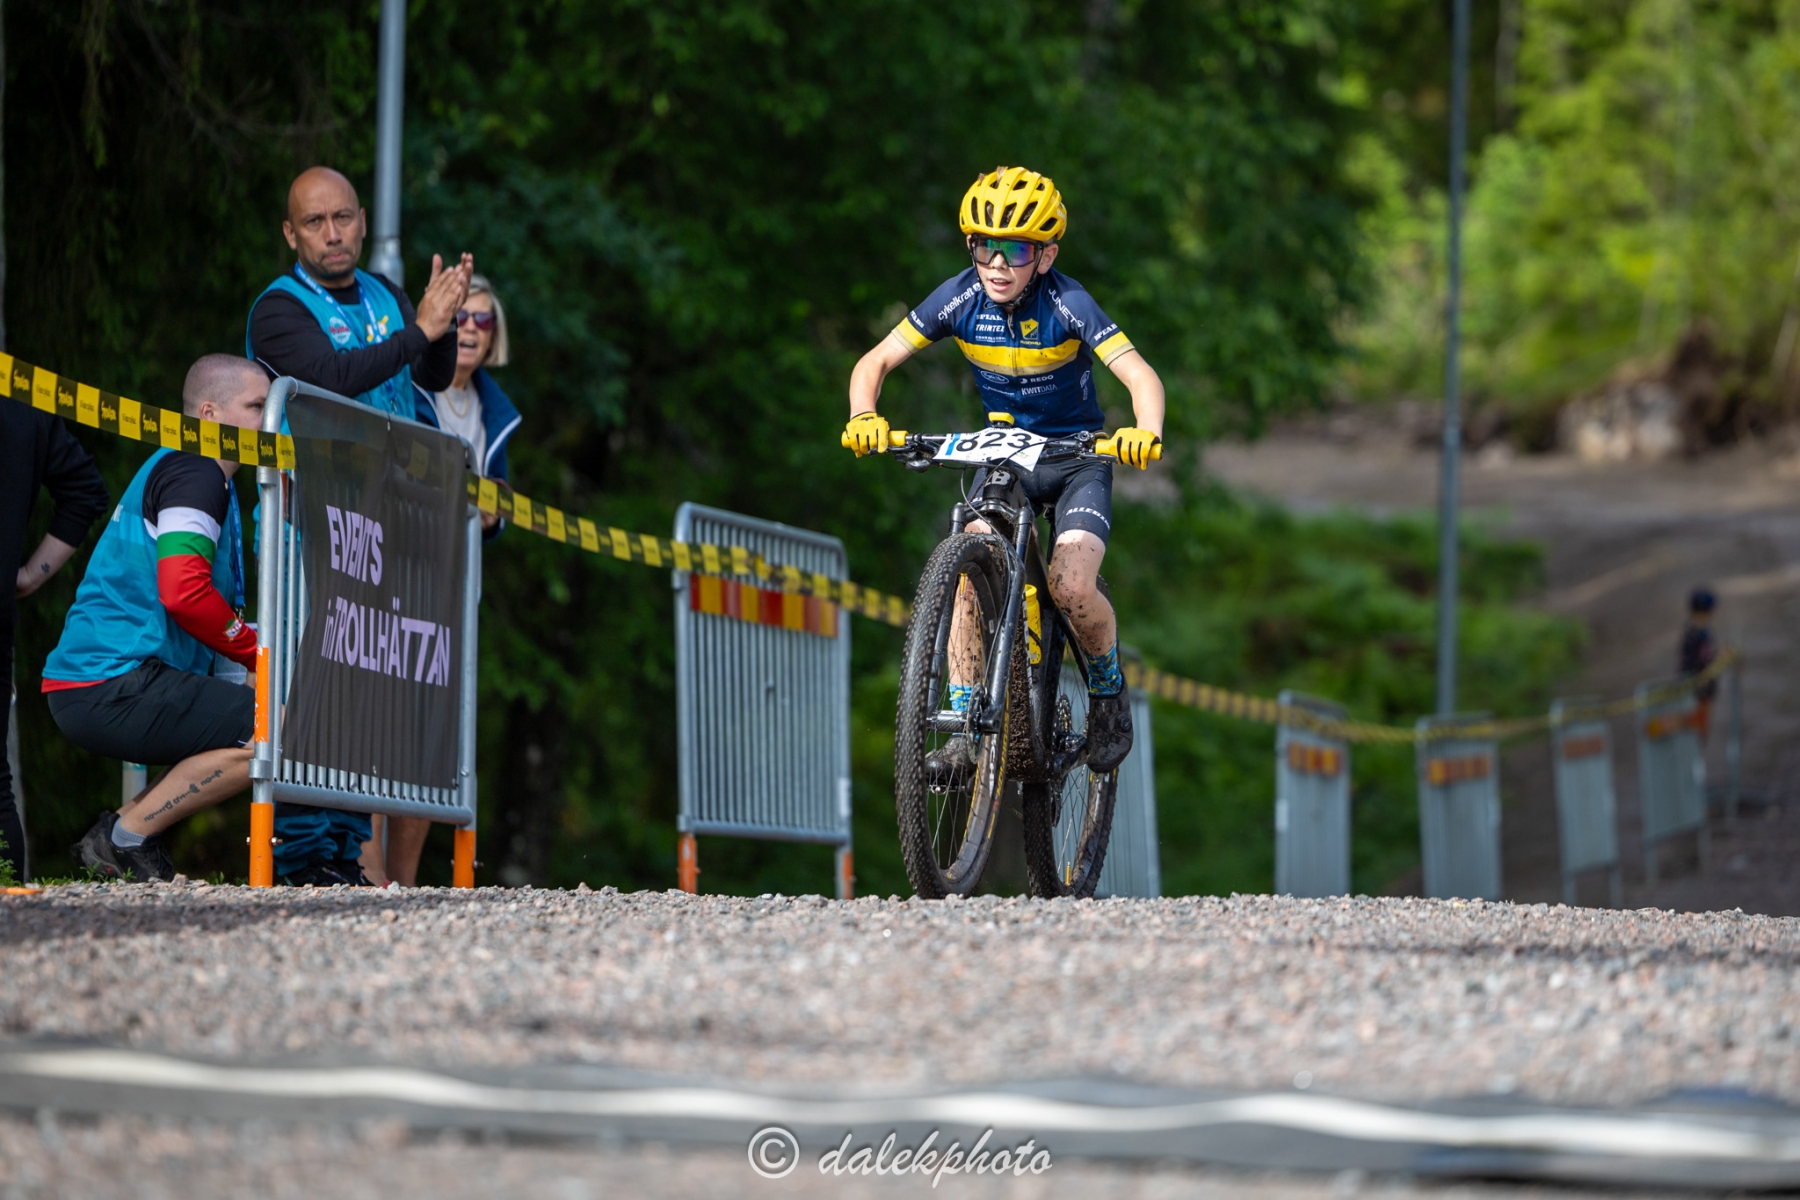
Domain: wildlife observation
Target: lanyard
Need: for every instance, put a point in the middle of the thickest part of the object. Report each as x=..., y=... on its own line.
x=374, y=333
x=234, y=533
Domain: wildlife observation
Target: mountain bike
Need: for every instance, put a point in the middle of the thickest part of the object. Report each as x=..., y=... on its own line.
x=1025, y=719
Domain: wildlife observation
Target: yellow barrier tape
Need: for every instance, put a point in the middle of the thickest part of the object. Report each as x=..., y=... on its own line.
x=170, y=428
x=105, y=411
x=1190, y=694
x=166, y=427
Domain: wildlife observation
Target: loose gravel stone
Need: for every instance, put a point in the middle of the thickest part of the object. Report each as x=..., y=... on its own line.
x=1387, y=998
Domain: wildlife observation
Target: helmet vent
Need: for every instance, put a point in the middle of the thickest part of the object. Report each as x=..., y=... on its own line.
x=989, y=205
x=1025, y=217
x=1006, y=215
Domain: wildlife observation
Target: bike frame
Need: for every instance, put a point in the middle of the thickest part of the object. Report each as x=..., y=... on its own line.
x=1003, y=504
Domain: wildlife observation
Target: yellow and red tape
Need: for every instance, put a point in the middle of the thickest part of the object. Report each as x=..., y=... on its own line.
x=733, y=582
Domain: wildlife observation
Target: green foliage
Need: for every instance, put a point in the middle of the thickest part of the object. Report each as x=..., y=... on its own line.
x=1646, y=186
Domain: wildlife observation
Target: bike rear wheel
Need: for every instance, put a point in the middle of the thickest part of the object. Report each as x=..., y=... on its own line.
x=947, y=824
x=1068, y=821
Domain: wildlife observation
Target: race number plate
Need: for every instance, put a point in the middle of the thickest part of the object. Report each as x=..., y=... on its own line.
x=997, y=447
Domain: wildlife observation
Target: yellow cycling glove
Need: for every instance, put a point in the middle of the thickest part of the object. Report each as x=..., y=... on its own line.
x=867, y=433
x=1136, y=447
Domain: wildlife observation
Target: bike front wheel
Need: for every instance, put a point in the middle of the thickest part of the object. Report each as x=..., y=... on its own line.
x=1068, y=821
x=948, y=778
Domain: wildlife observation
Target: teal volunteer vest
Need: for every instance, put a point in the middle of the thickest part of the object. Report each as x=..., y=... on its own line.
x=376, y=320
x=118, y=620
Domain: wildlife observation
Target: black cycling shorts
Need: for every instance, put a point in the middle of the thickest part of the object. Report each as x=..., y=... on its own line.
x=156, y=715
x=1079, y=488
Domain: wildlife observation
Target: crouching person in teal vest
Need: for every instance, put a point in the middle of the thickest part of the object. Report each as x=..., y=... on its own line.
x=331, y=325
x=160, y=605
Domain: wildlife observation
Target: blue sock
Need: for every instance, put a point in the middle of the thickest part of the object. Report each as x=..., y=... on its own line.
x=959, y=697
x=1104, y=676
x=123, y=837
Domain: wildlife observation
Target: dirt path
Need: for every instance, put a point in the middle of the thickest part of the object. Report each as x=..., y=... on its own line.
x=1626, y=542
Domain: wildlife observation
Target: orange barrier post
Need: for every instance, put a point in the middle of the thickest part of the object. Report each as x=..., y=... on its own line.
x=262, y=845
x=262, y=816
x=846, y=877
x=687, y=868
x=462, y=865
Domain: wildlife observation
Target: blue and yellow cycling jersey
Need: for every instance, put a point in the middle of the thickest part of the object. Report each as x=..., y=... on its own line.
x=1035, y=362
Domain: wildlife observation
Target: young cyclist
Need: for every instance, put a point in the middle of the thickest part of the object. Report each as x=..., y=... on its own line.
x=1031, y=334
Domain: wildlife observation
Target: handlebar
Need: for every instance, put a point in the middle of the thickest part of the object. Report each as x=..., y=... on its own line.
x=899, y=439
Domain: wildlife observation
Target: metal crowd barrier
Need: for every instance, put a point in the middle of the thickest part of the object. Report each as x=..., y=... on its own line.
x=281, y=606
x=1133, y=863
x=1459, y=810
x=763, y=712
x=1312, y=806
x=1581, y=755
x=1671, y=772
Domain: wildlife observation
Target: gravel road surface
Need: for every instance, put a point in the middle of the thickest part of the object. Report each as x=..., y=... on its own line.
x=1397, y=999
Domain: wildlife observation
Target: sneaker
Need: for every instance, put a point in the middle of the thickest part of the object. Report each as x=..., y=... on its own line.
x=951, y=765
x=98, y=854
x=1108, y=732
x=327, y=872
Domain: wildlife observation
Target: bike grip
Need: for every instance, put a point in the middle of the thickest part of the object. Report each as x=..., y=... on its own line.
x=1110, y=449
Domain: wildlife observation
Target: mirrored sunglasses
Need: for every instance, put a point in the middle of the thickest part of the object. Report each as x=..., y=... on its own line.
x=1012, y=252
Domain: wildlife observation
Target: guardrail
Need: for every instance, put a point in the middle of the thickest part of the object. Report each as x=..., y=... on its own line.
x=762, y=699
x=1671, y=774
x=377, y=764
x=1587, y=812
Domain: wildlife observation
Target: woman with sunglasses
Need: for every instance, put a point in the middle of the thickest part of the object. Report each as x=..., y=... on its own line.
x=473, y=407
x=1031, y=335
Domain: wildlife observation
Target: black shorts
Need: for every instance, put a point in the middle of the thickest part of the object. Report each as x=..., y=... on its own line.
x=1079, y=488
x=156, y=715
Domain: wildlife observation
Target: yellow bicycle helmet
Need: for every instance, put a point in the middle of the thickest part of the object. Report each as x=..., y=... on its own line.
x=1014, y=202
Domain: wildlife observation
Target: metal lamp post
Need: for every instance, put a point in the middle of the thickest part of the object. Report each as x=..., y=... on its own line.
x=384, y=256
x=1452, y=451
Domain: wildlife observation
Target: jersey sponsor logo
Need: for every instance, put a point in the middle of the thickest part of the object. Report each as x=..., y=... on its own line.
x=1092, y=512
x=1106, y=333
x=355, y=544
x=1028, y=327
x=1063, y=311
x=958, y=301
x=990, y=377
x=338, y=330
x=1037, y=391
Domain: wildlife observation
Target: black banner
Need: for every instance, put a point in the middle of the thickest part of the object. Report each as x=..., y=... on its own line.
x=380, y=506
